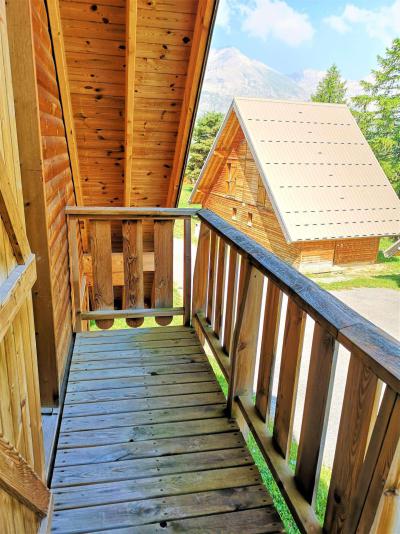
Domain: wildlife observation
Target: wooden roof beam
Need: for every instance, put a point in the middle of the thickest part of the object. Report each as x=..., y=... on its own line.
x=201, y=36
x=63, y=82
x=130, y=52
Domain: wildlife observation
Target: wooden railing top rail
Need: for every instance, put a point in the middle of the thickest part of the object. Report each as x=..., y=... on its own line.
x=96, y=212
x=380, y=350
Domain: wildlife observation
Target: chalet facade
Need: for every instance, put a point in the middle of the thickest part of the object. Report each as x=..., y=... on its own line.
x=300, y=179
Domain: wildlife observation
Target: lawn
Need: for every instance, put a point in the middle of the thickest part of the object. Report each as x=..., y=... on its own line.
x=184, y=203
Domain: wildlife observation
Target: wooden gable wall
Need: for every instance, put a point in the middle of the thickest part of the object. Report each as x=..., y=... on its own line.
x=247, y=206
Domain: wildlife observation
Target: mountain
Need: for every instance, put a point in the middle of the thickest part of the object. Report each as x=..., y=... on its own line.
x=230, y=73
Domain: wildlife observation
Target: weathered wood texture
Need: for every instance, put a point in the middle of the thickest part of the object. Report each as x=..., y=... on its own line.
x=235, y=191
x=158, y=452
x=367, y=445
x=133, y=91
x=21, y=448
x=47, y=184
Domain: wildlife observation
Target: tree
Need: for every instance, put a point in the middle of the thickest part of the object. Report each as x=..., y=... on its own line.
x=203, y=137
x=377, y=111
x=331, y=88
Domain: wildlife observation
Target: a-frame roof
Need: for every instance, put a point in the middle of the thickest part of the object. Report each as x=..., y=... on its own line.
x=320, y=173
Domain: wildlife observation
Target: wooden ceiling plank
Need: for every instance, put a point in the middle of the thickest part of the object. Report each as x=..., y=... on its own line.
x=62, y=73
x=131, y=23
x=198, y=52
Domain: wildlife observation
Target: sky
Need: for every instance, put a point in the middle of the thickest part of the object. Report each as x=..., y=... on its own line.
x=295, y=35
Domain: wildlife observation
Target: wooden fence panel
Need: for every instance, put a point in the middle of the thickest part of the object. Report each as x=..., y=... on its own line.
x=100, y=248
x=163, y=267
x=133, y=291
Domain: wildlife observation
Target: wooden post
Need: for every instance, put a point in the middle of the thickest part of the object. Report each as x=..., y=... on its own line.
x=269, y=344
x=163, y=267
x=201, y=271
x=75, y=274
x=245, y=336
x=230, y=292
x=219, y=290
x=211, y=279
x=133, y=290
x=320, y=381
x=100, y=248
x=288, y=377
x=187, y=269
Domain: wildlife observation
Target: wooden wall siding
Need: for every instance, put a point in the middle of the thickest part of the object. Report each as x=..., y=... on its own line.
x=239, y=196
x=94, y=38
x=58, y=185
x=356, y=250
x=94, y=35
x=20, y=422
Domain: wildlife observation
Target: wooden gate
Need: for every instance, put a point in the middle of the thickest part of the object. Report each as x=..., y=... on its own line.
x=24, y=497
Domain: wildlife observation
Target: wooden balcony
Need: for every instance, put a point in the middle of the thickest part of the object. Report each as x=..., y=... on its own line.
x=148, y=441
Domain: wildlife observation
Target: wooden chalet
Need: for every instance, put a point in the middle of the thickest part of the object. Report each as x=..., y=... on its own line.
x=299, y=178
x=127, y=430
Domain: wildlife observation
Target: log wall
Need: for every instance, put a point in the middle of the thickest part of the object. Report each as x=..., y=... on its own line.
x=239, y=196
x=58, y=185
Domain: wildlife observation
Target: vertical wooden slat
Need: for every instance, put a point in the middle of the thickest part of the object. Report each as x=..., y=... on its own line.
x=211, y=277
x=245, y=336
x=100, y=248
x=316, y=410
x=358, y=404
x=288, y=377
x=201, y=270
x=163, y=267
x=187, y=269
x=230, y=293
x=133, y=291
x=219, y=290
x=377, y=464
x=75, y=274
x=269, y=344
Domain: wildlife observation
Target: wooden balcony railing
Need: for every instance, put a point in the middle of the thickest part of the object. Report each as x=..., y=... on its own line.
x=230, y=272
x=107, y=268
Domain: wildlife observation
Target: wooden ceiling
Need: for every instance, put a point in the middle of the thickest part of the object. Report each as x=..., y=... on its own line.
x=130, y=71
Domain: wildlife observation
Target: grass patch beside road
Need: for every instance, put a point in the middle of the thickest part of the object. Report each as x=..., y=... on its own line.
x=384, y=274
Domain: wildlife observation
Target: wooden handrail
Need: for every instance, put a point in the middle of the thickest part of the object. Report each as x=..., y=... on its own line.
x=99, y=213
x=230, y=264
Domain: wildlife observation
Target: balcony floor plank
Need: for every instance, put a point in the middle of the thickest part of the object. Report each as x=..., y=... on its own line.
x=145, y=444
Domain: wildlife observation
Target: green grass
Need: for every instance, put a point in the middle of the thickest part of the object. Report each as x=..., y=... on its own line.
x=266, y=475
x=184, y=203
x=385, y=274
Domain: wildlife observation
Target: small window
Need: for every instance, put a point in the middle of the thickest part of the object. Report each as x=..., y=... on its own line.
x=249, y=219
x=234, y=214
x=231, y=180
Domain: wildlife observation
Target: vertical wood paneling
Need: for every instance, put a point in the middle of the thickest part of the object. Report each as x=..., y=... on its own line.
x=230, y=293
x=201, y=271
x=187, y=270
x=133, y=290
x=219, y=290
x=211, y=277
x=100, y=248
x=288, y=377
x=320, y=380
x=163, y=267
x=358, y=403
x=269, y=344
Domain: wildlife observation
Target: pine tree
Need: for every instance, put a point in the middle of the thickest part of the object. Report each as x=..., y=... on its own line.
x=377, y=112
x=331, y=88
x=203, y=137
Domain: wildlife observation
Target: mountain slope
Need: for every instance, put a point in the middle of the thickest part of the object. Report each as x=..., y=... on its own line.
x=230, y=73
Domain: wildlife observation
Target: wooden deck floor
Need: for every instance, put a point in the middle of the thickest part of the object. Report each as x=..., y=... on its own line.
x=145, y=445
